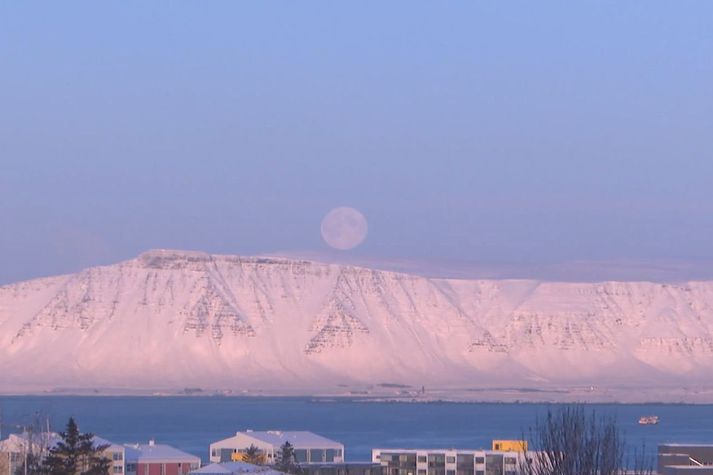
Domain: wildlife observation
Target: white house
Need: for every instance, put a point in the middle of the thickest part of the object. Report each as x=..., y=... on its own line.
x=308, y=447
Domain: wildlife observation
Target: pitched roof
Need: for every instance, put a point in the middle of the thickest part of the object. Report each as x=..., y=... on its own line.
x=15, y=442
x=157, y=452
x=299, y=438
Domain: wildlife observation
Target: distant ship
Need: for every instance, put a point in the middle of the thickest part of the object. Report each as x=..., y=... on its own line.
x=648, y=420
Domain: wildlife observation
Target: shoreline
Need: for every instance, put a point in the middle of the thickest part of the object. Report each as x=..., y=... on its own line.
x=515, y=395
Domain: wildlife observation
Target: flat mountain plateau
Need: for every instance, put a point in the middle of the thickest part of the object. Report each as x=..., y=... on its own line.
x=169, y=320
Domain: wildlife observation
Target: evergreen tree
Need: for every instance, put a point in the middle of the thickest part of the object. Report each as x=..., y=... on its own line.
x=254, y=455
x=75, y=454
x=286, y=459
x=97, y=463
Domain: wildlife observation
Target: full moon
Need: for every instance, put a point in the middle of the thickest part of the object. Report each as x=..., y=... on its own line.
x=344, y=228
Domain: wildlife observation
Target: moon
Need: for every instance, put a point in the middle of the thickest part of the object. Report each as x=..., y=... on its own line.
x=344, y=228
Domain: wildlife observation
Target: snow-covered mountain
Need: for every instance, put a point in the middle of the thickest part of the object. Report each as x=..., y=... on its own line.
x=172, y=319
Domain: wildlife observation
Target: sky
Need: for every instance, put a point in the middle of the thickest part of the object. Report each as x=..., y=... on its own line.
x=484, y=132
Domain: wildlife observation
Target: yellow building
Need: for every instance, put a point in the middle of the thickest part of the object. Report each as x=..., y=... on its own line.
x=510, y=445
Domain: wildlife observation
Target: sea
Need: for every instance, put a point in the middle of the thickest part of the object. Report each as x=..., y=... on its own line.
x=192, y=423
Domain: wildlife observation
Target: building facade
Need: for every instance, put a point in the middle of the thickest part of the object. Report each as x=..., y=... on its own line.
x=115, y=453
x=342, y=468
x=158, y=459
x=308, y=447
x=448, y=461
x=500, y=445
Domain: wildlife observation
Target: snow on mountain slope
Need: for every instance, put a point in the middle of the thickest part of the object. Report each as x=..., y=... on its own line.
x=177, y=319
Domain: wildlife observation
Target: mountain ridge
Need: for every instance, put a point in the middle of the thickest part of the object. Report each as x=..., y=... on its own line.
x=168, y=319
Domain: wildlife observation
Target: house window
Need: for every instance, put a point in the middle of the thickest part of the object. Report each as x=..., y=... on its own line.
x=421, y=459
x=479, y=459
x=117, y=456
x=450, y=472
x=450, y=459
x=118, y=469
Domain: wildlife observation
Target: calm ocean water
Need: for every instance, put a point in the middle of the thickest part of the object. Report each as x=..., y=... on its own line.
x=192, y=423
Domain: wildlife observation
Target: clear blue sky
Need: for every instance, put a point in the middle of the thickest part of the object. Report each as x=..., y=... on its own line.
x=482, y=131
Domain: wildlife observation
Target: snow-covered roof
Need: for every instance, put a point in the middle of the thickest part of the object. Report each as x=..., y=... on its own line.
x=101, y=441
x=46, y=439
x=157, y=452
x=233, y=468
x=16, y=442
x=298, y=438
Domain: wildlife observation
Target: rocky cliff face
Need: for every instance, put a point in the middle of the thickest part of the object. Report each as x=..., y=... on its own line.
x=175, y=319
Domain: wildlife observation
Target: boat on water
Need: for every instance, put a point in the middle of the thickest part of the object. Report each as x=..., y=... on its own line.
x=648, y=420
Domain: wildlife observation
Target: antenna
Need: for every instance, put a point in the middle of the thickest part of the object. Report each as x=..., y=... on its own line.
x=47, y=434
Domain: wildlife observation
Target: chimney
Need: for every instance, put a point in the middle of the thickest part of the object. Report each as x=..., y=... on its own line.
x=152, y=442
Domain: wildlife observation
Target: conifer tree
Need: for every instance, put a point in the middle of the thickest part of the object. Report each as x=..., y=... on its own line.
x=286, y=459
x=75, y=454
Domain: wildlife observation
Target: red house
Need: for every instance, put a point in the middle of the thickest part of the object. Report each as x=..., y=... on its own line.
x=159, y=459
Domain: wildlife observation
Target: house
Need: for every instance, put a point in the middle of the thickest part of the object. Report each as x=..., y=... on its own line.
x=158, y=459
x=684, y=459
x=308, y=447
x=449, y=461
